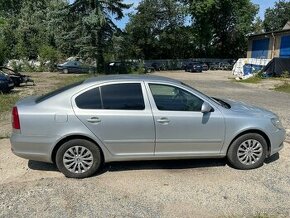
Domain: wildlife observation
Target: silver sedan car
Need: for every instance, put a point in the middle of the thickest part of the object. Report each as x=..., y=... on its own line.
x=123, y=118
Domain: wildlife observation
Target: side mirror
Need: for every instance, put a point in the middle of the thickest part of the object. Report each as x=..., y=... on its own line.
x=206, y=108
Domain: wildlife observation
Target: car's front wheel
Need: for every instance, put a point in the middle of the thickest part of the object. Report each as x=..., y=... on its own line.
x=78, y=158
x=248, y=151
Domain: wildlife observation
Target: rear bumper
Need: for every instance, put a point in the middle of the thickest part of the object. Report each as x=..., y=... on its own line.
x=277, y=138
x=32, y=147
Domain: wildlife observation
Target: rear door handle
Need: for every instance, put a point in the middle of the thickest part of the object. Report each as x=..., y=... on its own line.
x=94, y=120
x=163, y=120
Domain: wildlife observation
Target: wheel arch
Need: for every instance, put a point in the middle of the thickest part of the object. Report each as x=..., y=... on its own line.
x=71, y=137
x=257, y=131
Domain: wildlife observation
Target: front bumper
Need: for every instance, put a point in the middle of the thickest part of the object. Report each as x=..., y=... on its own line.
x=277, y=138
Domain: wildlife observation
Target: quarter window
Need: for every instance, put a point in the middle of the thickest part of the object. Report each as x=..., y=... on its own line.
x=171, y=98
x=90, y=99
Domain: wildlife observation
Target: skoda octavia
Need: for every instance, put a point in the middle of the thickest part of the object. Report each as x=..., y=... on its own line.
x=122, y=118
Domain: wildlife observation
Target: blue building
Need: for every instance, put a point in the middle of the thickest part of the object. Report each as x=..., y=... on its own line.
x=270, y=44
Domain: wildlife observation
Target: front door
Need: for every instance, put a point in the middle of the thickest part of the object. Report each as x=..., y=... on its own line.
x=181, y=128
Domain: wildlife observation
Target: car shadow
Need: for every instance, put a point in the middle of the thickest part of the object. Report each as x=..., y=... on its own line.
x=41, y=166
x=150, y=165
x=164, y=164
x=272, y=159
x=140, y=165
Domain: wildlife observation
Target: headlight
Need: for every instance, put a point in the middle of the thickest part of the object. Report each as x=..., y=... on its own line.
x=276, y=122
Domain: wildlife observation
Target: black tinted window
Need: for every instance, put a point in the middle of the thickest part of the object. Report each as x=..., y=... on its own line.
x=123, y=97
x=171, y=98
x=89, y=100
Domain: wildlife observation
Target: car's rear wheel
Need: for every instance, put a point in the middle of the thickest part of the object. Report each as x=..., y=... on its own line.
x=78, y=158
x=248, y=151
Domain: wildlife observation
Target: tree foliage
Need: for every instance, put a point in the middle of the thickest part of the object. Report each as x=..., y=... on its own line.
x=94, y=23
x=222, y=25
x=157, y=30
x=49, y=30
x=277, y=17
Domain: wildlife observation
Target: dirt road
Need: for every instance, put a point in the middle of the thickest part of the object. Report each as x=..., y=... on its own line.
x=188, y=188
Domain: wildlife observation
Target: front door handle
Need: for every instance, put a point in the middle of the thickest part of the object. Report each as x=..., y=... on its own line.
x=163, y=120
x=94, y=120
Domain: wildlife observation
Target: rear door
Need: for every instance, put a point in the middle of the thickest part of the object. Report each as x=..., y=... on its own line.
x=119, y=114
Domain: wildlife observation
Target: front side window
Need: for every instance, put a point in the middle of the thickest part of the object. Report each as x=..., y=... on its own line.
x=171, y=98
x=127, y=96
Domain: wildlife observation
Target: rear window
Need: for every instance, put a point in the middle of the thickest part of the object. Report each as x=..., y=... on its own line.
x=56, y=92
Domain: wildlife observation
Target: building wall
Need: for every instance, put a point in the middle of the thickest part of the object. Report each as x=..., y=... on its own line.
x=274, y=43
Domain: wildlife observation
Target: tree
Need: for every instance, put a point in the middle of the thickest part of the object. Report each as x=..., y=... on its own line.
x=94, y=26
x=10, y=8
x=258, y=25
x=222, y=25
x=277, y=17
x=157, y=30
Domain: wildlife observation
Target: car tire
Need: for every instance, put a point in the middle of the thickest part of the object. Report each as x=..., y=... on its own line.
x=65, y=71
x=248, y=151
x=84, y=157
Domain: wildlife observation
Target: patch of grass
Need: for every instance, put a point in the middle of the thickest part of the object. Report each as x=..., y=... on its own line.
x=253, y=79
x=67, y=80
x=285, y=87
x=7, y=101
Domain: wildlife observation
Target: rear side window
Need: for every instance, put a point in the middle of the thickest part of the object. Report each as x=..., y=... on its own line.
x=123, y=97
x=89, y=100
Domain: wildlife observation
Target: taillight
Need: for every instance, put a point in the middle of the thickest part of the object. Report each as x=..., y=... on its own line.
x=15, y=118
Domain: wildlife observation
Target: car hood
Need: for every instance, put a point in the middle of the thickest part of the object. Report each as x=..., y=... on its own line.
x=243, y=108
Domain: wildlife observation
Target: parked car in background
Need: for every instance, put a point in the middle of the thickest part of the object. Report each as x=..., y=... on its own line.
x=6, y=83
x=157, y=66
x=194, y=67
x=226, y=66
x=214, y=66
x=74, y=66
x=204, y=67
x=122, y=118
x=16, y=77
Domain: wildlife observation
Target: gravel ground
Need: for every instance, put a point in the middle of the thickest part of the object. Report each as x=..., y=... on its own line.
x=187, y=188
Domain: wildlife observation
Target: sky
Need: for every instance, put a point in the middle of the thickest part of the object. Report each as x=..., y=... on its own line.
x=264, y=4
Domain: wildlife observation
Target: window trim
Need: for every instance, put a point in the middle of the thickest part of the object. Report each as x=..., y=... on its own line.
x=105, y=83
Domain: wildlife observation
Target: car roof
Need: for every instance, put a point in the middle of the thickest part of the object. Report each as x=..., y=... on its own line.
x=147, y=78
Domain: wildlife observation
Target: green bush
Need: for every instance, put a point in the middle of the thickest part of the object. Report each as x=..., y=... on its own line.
x=49, y=57
x=3, y=52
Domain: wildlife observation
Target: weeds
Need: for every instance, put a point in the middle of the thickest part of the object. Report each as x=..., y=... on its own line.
x=285, y=87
